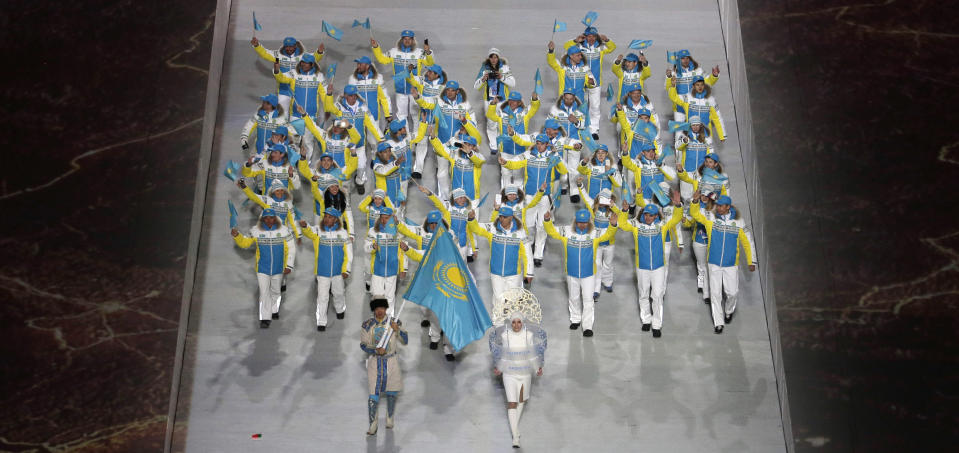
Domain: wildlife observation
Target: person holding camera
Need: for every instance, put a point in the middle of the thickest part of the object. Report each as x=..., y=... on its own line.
x=496, y=81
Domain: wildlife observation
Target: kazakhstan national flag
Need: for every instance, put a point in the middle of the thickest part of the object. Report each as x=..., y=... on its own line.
x=443, y=285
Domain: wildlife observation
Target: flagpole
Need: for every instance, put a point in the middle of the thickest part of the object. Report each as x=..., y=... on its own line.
x=384, y=340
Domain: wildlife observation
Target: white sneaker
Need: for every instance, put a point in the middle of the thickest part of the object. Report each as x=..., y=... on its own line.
x=389, y=422
x=372, y=429
x=515, y=441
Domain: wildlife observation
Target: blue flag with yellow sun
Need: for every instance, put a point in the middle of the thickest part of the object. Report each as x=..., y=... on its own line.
x=443, y=284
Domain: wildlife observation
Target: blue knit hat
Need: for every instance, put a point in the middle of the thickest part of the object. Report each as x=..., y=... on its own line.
x=582, y=215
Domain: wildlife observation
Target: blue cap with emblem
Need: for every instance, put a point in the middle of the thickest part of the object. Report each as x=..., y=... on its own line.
x=350, y=89
x=333, y=212
x=289, y=41
x=515, y=96
x=582, y=215
x=433, y=216
x=724, y=199
x=505, y=211
x=407, y=33
x=364, y=59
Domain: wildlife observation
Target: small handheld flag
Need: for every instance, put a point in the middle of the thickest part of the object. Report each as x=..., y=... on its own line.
x=589, y=142
x=667, y=151
x=232, y=170
x=482, y=200
x=297, y=214
x=555, y=197
x=609, y=93
x=672, y=58
x=365, y=24
x=676, y=126
x=331, y=71
x=401, y=76
x=640, y=44
x=332, y=31
x=256, y=24
x=233, y=215
x=538, y=83
x=590, y=18
x=558, y=26
x=438, y=114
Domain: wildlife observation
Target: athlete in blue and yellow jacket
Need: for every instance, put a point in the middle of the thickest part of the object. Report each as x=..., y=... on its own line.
x=333, y=256
x=726, y=231
x=509, y=257
x=273, y=260
x=580, y=241
x=307, y=84
x=594, y=47
x=288, y=56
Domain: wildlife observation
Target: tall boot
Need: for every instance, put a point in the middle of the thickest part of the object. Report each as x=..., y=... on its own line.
x=390, y=407
x=373, y=405
x=513, y=416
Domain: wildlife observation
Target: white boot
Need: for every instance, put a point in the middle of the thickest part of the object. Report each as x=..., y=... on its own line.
x=513, y=416
x=373, y=406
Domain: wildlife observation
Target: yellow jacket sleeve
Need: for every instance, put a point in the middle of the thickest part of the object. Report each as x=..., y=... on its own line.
x=381, y=57
x=684, y=176
x=610, y=232
x=515, y=164
x=264, y=54
x=553, y=233
x=308, y=232
x=254, y=197
x=282, y=78
x=711, y=79
x=414, y=254
x=491, y=113
x=674, y=96
x=304, y=168
x=243, y=241
x=474, y=227
x=554, y=63
x=371, y=126
x=695, y=212
x=364, y=205
x=521, y=141
x=420, y=133
x=440, y=149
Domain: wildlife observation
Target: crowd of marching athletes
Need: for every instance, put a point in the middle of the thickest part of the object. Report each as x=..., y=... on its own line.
x=305, y=133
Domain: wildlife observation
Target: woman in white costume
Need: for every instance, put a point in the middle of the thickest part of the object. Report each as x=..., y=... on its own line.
x=518, y=345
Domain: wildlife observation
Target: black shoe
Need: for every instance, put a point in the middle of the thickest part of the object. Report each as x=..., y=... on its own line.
x=588, y=333
x=360, y=188
x=417, y=175
x=646, y=327
x=595, y=136
x=367, y=287
x=321, y=328
x=425, y=323
x=657, y=333
x=450, y=357
x=573, y=325
x=595, y=297
x=434, y=345
x=707, y=301
x=265, y=324
x=728, y=318
x=341, y=315
x=632, y=211
x=469, y=258
x=609, y=288
x=718, y=329
x=276, y=316
x=283, y=288
x=537, y=263
x=699, y=290
x=492, y=152
x=574, y=199
x=564, y=192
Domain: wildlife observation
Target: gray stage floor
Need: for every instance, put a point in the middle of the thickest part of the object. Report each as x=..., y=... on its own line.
x=303, y=390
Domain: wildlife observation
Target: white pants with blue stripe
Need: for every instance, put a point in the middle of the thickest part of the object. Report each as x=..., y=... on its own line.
x=269, y=294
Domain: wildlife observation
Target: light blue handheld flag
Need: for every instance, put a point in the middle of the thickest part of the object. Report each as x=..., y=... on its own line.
x=640, y=44
x=482, y=200
x=590, y=18
x=438, y=114
x=233, y=214
x=256, y=25
x=657, y=191
x=609, y=93
x=672, y=58
x=332, y=31
x=676, y=126
x=232, y=170
x=299, y=125
x=297, y=214
x=365, y=24
x=558, y=26
x=667, y=151
x=589, y=142
x=538, y=83
x=713, y=177
x=401, y=76
x=443, y=285
x=331, y=71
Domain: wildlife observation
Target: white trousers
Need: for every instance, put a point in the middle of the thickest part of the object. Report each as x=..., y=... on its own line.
x=419, y=155
x=384, y=287
x=651, y=284
x=604, y=261
x=534, y=222
x=285, y=103
x=406, y=108
x=572, y=162
x=442, y=177
x=361, y=166
x=492, y=131
x=510, y=177
x=501, y=284
x=581, y=304
x=685, y=190
x=269, y=294
x=667, y=249
x=308, y=143
x=323, y=287
x=592, y=94
x=702, y=271
x=723, y=279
